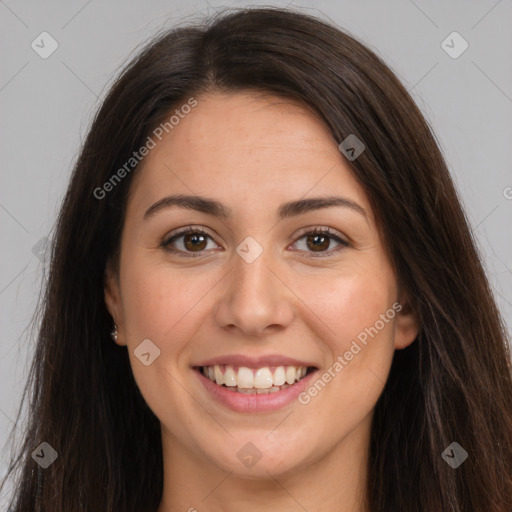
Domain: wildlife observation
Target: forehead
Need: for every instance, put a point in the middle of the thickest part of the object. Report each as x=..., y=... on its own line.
x=247, y=146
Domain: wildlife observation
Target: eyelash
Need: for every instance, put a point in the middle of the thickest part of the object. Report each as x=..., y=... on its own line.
x=199, y=231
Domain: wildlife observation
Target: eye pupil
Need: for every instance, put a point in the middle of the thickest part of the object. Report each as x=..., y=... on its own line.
x=192, y=238
x=324, y=244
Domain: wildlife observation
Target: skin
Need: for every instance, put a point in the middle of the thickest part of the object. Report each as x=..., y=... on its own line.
x=253, y=153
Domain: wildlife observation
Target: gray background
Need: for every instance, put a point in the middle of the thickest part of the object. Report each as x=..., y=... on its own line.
x=47, y=105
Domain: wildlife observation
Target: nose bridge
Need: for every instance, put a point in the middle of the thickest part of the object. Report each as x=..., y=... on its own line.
x=252, y=273
x=255, y=298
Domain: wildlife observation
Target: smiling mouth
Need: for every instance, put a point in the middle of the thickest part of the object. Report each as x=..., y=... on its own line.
x=251, y=381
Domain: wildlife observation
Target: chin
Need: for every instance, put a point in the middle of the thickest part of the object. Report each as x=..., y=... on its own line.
x=251, y=463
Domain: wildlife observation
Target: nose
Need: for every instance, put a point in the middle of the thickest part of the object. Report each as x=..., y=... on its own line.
x=255, y=299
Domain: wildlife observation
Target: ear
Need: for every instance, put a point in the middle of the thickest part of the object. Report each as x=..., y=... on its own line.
x=113, y=300
x=406, y=326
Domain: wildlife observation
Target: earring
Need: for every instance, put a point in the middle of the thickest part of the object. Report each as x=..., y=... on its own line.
x=114, y=333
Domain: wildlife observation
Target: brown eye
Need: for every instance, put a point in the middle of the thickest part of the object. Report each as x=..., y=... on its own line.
x=189, y=242
x=318, y=241
x=194, y=242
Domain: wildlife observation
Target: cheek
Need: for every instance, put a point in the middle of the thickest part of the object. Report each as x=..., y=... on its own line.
x=349, y=303
x=357, y=316
x=158, y=305
x=159, y=301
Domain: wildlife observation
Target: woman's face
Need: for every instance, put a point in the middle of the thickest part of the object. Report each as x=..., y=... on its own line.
x=257, y=292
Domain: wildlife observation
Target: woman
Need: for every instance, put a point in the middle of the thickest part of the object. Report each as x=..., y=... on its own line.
x=264, y=293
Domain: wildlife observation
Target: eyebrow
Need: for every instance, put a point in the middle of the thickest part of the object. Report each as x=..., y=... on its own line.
x=217, y=209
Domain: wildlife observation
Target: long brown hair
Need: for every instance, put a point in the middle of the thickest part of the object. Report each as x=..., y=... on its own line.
x=452, y=384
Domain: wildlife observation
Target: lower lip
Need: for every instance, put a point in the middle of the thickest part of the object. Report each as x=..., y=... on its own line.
x=241, y=402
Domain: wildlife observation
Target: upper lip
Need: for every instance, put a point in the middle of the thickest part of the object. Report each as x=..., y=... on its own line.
x=254, y=362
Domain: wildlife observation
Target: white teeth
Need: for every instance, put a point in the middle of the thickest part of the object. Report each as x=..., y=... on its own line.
x=219, y=378
x=261, y=381
x=244, y=378
x=290, y=375
x=230, y=376
x=263, y=378
x=279, y=376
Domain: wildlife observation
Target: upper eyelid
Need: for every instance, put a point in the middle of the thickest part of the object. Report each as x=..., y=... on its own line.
x=328, y=231
x=185, y=231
